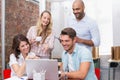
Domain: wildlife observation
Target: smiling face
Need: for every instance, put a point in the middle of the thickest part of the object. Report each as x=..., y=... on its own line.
x=45, y=19
x=78, y=9
x=20, y=45
x=67, y=43
x=24, y=47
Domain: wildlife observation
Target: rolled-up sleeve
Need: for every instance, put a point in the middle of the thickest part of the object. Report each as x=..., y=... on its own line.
x=31, y=34
x=12, y=60
x=95, y=34
x=87, y=55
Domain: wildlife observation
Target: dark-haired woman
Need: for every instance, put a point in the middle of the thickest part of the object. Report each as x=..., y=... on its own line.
x=20, y=52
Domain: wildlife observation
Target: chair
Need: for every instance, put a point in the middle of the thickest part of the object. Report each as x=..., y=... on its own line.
x=97, y=72
x=6, y=73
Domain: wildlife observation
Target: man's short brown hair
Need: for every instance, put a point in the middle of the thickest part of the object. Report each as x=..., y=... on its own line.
x=69, y=31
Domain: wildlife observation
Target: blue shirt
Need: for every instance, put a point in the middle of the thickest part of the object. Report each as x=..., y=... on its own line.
x=86, y=28
x=79, y=55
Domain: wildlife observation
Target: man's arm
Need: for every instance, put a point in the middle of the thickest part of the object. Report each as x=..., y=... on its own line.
x=95, y=36
x=81, y=73
x=87, y=42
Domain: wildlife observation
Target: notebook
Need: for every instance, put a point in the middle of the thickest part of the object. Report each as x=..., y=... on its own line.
x=50, y=65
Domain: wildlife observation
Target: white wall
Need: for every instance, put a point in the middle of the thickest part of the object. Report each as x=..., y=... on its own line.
x=116, y=22
x=58, y=24
x=100, y=10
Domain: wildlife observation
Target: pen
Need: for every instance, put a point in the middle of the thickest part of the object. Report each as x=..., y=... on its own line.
x=22, y=78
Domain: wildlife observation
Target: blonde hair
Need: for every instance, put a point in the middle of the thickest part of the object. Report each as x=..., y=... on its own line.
x=44, y=33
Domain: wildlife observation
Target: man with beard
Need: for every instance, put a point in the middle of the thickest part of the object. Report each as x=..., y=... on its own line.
x=77, y=62
x=86, y=28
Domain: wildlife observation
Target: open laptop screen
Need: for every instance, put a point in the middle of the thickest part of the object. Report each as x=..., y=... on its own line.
x=50, y=65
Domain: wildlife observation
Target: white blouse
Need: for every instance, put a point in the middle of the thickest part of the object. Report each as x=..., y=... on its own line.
x=14, y=60
x=38, y=49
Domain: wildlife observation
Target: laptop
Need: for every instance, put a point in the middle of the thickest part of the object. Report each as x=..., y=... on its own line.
x=50, y=65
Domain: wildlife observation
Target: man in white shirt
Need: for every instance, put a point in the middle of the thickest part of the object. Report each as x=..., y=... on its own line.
x=86, y=28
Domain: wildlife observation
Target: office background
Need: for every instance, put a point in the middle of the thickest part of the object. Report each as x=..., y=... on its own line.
x=20, y=15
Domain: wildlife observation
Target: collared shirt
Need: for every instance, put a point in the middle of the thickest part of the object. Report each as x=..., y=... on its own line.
x=14, y=60
x=38, y=49
x=85, y=29
x=79, y=55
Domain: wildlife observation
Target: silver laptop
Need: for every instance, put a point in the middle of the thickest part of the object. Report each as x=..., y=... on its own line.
x=50, y=65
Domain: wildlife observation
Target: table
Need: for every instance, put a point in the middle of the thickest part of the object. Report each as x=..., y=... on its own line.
x=113, y=64
x=16, y=78
x=70, y=79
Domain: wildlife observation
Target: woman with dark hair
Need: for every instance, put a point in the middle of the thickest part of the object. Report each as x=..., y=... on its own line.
x=20, y=52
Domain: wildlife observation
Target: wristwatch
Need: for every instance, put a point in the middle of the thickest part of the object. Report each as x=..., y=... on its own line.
x=66, y=75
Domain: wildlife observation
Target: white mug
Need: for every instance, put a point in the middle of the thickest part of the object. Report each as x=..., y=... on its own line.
x=43, y=76
x=36, y=76
x=39, y=76
x=38, y=38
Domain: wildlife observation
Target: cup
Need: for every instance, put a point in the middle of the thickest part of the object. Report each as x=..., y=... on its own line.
x=39, y=75
x=38, y=38
x=43, y=76
x=36, y=76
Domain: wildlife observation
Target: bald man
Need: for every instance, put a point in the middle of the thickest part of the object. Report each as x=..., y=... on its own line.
x=86, y=28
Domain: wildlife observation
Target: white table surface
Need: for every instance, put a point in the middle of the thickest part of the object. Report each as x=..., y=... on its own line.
x=110, y=60
x=17, y=78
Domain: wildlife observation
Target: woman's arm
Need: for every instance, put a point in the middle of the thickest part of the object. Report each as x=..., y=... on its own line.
x=49, y=43
x=19, y=70
x=31, y=34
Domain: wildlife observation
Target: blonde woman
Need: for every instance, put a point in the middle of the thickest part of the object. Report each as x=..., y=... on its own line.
x=41, y=36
